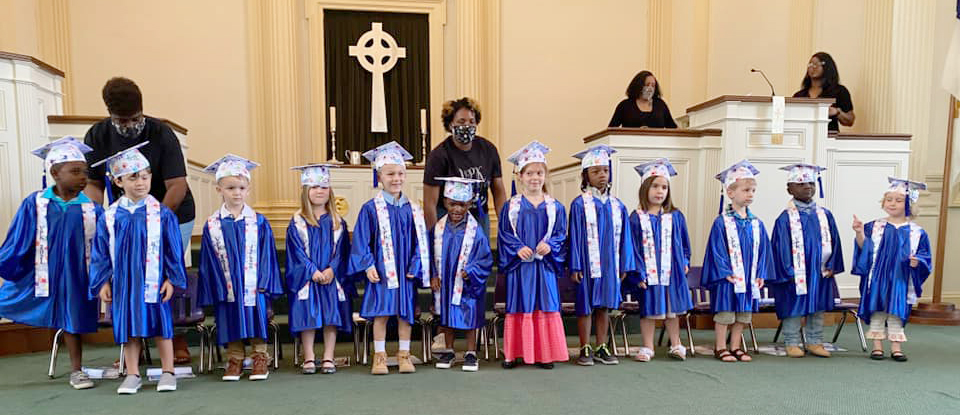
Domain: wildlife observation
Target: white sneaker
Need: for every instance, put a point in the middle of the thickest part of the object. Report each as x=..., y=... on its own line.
x=80, y=380
x=131, y=385
x=167, y=383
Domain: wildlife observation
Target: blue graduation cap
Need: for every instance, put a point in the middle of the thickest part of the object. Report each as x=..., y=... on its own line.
x=315, y=174
x=597, y=155
x=804, y=173
x=660, y=167
x=122, y=163
x=459, y=188
x=389, y=153
x=908, y=188
x=231, y=165
x=533, y=152
x=62, y=150
x=738, y=171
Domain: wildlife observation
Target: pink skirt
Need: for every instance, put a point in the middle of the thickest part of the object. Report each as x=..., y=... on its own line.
x=536, y=337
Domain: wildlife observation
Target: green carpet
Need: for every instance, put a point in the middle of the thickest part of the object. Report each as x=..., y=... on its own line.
x=849, y=383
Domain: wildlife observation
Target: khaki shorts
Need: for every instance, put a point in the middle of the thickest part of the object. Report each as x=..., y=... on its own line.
x=729, y=317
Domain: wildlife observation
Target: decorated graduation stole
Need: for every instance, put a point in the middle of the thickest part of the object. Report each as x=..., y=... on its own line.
x=879, y=226
x=514, y=210
x=41, y=276
x=386, y=242
x=736, y=256
x=654, y=277
x=301, y=226
x=151, y=278
x=466, y=246
x=250, y=257
x=797, y=249
x=593, y=233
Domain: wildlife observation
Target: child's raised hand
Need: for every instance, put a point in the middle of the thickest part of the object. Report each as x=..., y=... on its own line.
x=525, y=253
x=435, y=284
x=167, y=290
x=543, y=248
x=857, y=225
x=576, y=277
x=317, y=276
x=106, y=294
x=372, y=275
x=914, y=262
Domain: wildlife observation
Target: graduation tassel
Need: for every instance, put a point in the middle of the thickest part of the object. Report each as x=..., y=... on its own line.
x=820, y=182
x=513, y=188
x=109, y=187
x=375, y=179
x=43, y=180
x=720, y=211
x=906, y=206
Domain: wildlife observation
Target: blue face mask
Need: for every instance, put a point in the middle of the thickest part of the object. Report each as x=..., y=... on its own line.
x=464, y=134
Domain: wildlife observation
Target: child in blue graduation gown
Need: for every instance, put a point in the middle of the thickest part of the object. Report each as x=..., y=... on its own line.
x=807, y=255
x=390, y=247
x=319, y=290
x=50, y=290
x=892, y=258
x=532, y=248
x=601, y=252
x=238, y=269
x=662, y=248
x=462, y=262
x=737, y=262
x=137, y=261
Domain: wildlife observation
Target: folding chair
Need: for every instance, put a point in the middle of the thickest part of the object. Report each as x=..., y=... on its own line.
x=498, y=316
x=187, y=315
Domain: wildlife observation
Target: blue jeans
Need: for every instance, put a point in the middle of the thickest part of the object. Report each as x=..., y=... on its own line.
x=186, y=230
x=814, y=329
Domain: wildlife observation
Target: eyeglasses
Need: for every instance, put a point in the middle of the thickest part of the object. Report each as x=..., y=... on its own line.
x=815, y=64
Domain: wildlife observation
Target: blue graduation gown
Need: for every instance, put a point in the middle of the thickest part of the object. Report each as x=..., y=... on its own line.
x=602, y=292
x=532, y=286
x=888, y=290
x=471, y=313
x=658, y=300
x=322, y=307
x=235, y=321
x=365, y=252
x=132, y=316
x=716, y=266
x=67, y=307
x=820, y=290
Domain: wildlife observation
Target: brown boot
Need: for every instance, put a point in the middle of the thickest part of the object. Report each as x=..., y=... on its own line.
x=261, y=367
x=818, y=350
x=794, y=351
x=234, y=370
x=379, y=366
x=403, y=360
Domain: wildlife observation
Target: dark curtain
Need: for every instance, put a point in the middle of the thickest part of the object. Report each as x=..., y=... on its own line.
x=348, y=85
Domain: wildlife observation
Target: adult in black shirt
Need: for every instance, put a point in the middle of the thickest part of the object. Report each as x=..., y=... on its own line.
x=823, y=81
x=463, y=154
x=643, y=106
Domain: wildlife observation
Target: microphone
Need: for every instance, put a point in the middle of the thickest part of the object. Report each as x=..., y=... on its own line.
x=772, y=91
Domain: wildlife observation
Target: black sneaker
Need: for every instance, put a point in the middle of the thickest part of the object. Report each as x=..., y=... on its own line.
x=586, y=356
x=547, y=366
x=470, y=363
x=509, y=364
x=604, y=356
x=445, y=360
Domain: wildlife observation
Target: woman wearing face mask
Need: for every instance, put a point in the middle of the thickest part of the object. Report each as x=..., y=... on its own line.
x=463, y=154
x=823, y=81
x=643, y=106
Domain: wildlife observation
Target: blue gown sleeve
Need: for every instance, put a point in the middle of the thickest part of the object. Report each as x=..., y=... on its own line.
x=268, y=280
x=174, y=269
x=765, y=264
x=835, y=263
x=558, y=241
x=18, y=249
x=578, y=237
x=415, y=266
x=101, y=266
x=299, y=266
x=628, y=260
x=508, y=243
x=211, y=288
x=922, y=271
x=639, y=274
x=434, y=272
x=479, y=265
x=862, y=255
x=341, y=260
x=716, y=259
x=782, y=247
x=361, y=254
x=684, y=237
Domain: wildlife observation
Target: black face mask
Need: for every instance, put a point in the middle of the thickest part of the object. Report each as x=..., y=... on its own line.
x=464, y=134
x=129, y=131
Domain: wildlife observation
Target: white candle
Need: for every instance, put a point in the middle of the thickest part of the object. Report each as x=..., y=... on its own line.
x=333, y=119
x=423, y=120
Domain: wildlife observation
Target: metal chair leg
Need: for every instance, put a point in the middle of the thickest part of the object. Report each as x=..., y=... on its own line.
x=777, y=334
x=863, y=340
x=277, y=350
x=53, y=352
x=623, y=330
x=803, y=337
x=201, y=330
x=692, y=351
x=123, y=362
x=366, y=343
x=296, y=350
x=496, y=339
x=663, y=329
x=753, y=338
x=836, y=332
x=145, y=349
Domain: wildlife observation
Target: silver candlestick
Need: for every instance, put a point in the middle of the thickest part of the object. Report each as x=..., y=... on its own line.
x=423, y=150
x=333, y=149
